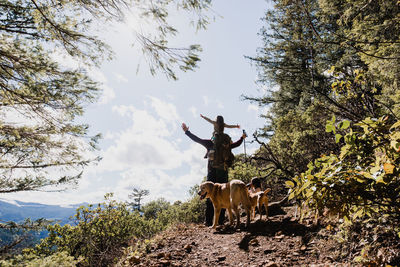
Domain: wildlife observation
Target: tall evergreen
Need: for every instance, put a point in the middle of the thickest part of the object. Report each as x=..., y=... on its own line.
x=319, y=59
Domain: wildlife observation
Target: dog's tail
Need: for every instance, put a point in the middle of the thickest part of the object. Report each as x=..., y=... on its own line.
x=267, y=190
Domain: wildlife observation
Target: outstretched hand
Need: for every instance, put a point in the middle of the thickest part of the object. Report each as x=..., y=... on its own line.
x=184, y=127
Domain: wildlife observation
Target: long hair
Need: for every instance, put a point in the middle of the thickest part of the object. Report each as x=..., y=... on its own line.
x=220, y=124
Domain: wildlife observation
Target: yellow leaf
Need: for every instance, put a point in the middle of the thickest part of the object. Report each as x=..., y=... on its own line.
x=375, y=169
x=395, y=125
x=379, y=179
x=358, y=214
x=388, y=167
x=289, y=184
x=393, y=144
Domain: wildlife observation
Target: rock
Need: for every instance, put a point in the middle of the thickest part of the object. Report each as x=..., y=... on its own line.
x=160, y=255
x=257, y=250
x=279, y=236
x=134, y=260
x=303, y=248
x=188, y=248
x=271, y=264
x=254, y=242
x=268, y=251
x=221, y=258
x=165, y=263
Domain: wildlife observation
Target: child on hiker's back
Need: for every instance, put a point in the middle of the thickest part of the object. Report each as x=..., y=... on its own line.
x=219, y=124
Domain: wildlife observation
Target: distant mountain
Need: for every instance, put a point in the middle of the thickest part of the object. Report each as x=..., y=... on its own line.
x=18, y=211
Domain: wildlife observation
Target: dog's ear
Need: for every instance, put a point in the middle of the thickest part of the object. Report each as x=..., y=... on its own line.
x=267, y=190
x=210, y=186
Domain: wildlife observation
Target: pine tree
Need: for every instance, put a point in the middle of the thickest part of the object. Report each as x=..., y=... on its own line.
x=137, y=195
x=41, y=144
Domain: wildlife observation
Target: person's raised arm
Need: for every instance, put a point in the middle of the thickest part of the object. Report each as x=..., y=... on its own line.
x=207, y=119
x=184, y=127
x=238, y=142
x=231, y=126
x=204, y=142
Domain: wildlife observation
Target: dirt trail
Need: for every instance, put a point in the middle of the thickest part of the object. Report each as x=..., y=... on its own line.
x=280, y=241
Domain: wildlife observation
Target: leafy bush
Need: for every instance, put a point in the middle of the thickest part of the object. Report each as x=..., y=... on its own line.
x=31, y=260
x=191, y=211
x=152, y=209
x=100, y=233
x=187, y=212
x=244, y=171
x=363, y=181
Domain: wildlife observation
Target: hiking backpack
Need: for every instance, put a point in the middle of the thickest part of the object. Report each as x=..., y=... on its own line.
x=223, y=157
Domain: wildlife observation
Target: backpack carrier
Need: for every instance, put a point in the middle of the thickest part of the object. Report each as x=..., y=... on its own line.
x=223, y=157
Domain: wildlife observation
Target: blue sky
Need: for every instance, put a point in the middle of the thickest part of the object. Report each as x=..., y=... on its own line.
x=139, y=115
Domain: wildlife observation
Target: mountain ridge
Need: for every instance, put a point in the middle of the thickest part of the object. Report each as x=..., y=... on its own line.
x=18, y=211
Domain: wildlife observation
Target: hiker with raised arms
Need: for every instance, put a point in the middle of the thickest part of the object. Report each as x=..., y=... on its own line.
x=217, y=169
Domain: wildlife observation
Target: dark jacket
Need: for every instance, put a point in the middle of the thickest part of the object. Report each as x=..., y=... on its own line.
x=212, y=174
x=208, y=144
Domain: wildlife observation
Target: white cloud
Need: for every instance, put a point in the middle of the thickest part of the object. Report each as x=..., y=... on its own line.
x=121, y=78
x=108, y=94
x=252, y=107
x=65, y=60
x=166, y=111
x=264, y=110
x=193, y=110
x=220, y=105
x=206, y=100
x=147, y=155
x=163, y=183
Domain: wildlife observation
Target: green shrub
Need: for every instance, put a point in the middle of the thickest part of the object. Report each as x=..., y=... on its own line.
x=31, y=260
x=363, y=181
x=165, y=214
x=100, y=233
x=244, y=171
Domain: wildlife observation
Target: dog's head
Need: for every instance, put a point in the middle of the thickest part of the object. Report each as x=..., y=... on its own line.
x=205, y=189
x=256, y=182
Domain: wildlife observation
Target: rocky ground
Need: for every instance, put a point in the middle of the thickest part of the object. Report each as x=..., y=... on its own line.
x=279, y=241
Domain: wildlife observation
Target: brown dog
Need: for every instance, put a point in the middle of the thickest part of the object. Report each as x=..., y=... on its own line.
x=259, y=199
x=227, y=196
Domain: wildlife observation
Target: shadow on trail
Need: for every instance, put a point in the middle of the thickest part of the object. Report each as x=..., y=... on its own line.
x=271, y=228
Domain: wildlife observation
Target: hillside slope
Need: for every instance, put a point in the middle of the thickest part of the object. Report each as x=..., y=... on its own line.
x=280, y=241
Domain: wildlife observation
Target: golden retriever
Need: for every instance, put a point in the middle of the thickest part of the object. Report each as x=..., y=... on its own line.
x=259, y=199
x=227, y=196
